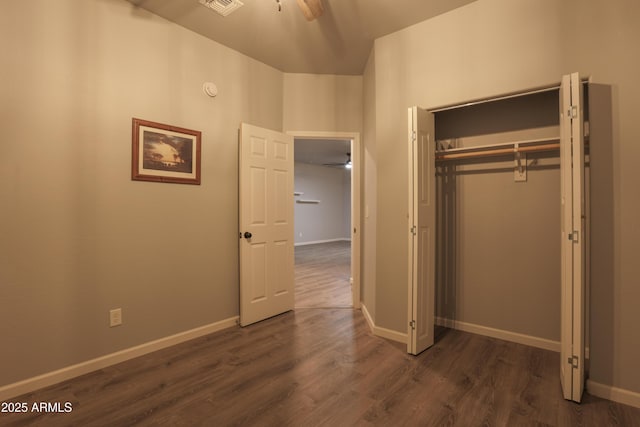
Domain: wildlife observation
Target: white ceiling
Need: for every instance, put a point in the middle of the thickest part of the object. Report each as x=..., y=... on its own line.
x=339, y=42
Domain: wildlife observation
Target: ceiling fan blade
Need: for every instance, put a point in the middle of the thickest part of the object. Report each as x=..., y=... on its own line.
x=348, y=162
x=311, y=9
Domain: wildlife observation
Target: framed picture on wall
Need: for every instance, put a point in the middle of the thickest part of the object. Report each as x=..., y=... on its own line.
x=165, y=153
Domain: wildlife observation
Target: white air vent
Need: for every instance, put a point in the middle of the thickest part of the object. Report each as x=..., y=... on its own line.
x=223, y=7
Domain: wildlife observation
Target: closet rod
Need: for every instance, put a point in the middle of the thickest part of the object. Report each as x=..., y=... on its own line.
x=499, y=145
x=498, y=152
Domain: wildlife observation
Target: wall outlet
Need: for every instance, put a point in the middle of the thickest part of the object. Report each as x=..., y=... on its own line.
x=115, y=317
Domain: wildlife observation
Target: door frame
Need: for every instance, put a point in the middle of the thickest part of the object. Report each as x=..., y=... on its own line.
x=356, y=199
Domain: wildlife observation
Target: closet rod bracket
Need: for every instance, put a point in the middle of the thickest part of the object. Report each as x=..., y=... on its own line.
x=520, y=171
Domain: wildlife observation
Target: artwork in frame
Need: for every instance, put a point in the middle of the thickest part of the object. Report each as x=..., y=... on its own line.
x=164, y=153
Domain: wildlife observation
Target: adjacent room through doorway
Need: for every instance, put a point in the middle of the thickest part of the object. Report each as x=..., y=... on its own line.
x=322, y=213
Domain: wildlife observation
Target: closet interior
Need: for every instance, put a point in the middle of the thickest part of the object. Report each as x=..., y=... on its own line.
x=498, y=216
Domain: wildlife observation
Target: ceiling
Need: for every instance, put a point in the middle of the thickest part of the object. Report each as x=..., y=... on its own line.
x=339, y=42
x=321, y=151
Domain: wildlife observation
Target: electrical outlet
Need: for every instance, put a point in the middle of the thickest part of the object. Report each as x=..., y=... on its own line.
x=115, y=317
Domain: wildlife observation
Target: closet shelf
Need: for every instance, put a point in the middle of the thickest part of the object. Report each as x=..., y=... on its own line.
x=517, y=147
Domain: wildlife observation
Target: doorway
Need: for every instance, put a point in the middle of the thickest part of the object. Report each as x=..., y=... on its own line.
x=327, y=219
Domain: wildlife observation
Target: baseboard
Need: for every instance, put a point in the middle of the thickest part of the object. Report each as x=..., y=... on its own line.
x=500, y=334
x=367, y=317
x=390, y=335
x=315, y=242
x=615, y=394
x=26, y=386
x=382, y=332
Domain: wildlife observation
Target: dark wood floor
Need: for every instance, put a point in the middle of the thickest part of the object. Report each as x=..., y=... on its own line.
x=322, y=367
x=322, y=274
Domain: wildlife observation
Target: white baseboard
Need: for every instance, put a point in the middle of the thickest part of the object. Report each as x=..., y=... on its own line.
x=500, y=334
x=615, y=394
x=390, y=335
x=367, y=317
x=26, y=386
x=315, y=242
x=382, y=332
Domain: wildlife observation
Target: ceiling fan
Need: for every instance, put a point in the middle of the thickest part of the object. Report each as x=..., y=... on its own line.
x=346, y=164
x=311, y=9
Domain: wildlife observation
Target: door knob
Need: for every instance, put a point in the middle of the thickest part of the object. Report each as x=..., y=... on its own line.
x=247, y=235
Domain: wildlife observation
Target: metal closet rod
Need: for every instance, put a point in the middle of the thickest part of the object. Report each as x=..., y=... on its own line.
x=527, y=146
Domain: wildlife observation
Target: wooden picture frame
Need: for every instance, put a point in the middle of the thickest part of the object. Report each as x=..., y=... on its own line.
x=164, y=153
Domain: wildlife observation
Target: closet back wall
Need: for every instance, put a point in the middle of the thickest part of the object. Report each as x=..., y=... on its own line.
x=498, y=251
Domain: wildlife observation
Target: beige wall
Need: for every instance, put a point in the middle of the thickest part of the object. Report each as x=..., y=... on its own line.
x=601, y=37
x=324, y=102
x=78, y=237
x=492, y=47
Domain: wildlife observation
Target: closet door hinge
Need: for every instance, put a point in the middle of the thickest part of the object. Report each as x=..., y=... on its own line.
x=413, y=135
x=413, y=230
x=574, y=361
x=573, y=236
x=573, y=111
x=412, y=324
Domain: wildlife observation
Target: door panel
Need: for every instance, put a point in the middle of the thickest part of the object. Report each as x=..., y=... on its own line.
x=266, y=223
x=572, y=238
x=577, y=136
x=566, y=248
x=258, y=208
x=422, y=230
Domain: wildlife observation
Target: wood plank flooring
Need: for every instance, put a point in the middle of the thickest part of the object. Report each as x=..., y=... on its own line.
x=322, y=275
x=323, y=367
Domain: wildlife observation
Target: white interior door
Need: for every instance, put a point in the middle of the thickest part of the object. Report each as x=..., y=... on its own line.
x=266, y=223
x=572, y=237
x=421, y=230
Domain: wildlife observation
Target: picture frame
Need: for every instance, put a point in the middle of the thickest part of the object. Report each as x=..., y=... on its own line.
x=165, y=153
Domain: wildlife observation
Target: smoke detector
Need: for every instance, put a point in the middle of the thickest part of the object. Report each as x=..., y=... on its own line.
x=223, y=7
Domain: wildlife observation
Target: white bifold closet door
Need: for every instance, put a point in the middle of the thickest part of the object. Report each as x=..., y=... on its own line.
x=572, y=339
x=422, y=233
